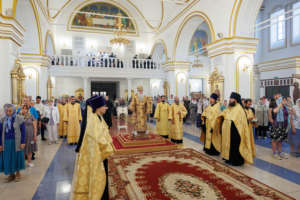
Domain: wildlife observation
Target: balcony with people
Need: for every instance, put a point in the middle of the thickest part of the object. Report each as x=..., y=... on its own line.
x=104, y=60
x=104, y=64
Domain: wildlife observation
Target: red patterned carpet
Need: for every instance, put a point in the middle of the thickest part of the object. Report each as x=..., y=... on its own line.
x=183, y=174
x=127, y=143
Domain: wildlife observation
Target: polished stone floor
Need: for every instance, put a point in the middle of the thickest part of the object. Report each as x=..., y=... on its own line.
x=51, y=178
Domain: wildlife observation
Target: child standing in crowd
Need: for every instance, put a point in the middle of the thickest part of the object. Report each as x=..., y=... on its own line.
x=12, y=143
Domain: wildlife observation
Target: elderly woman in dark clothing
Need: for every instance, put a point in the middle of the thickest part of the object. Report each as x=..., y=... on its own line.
x=12, y=143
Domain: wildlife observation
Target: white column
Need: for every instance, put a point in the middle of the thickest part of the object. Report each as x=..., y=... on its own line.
x=86, y=87
x=8, y=55
x=11, y=39
x=178, y=70
x=233, y=58
x=171, y=78
x=43, y=81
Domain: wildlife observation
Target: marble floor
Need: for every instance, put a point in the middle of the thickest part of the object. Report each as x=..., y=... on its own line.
x=51, y=177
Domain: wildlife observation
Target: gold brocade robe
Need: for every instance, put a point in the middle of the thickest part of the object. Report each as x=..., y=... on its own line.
x=162, y=115
x=140, y=109
x=73, y=117
x=178, y=112
x=90, y=176
x=222, y=132
x=250, y=114
x=62, y=129
x=210, y=115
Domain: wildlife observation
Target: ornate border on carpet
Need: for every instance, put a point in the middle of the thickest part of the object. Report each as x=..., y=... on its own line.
x=182, y=174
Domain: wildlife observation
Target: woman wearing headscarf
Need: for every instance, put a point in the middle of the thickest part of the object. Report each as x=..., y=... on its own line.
x=12, y=143
x=294, y=134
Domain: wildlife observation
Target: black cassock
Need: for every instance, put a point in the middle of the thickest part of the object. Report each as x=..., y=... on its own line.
x=235, y=157
x=107, y=115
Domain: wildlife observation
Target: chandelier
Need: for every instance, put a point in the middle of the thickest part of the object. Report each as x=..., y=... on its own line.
x=119, y=40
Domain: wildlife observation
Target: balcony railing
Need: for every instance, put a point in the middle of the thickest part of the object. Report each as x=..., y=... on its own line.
x=94, y=61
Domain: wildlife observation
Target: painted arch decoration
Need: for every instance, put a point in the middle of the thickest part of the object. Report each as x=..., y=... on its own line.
x=102, y=16
x=200, y=39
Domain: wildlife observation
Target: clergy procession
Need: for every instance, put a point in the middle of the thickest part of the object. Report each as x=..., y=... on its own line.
x=225, y=131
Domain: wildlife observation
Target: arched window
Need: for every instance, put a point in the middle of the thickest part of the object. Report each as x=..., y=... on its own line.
x=296, y=23
x=277, y=33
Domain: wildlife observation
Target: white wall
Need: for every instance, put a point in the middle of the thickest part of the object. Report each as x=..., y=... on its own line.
x=156, y=86
x=26, y=17
x=264, y=53
x=8, y=54
x=100, y=40
x=64, y=85
x=143, y=82
x=282, y=73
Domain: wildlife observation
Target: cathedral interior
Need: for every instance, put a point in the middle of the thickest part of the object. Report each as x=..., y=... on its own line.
x=161, y=66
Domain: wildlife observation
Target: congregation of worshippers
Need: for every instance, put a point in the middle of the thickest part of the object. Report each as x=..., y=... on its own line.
x=227, y=128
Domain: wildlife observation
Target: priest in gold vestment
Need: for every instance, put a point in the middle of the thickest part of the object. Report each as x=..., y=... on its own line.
x=178, y=112
x=141, y=106
x=162, y=118
x=251, y=122
x=91, y=181
x=73, y=120
x=209, y=117
x=231, y=135
x=62, y=129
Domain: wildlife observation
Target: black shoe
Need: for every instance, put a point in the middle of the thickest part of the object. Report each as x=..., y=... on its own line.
x=44, y=139
x=32, y=157
x=60, y=136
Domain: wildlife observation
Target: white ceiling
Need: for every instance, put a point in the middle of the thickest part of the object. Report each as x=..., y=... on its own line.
x=155, y=13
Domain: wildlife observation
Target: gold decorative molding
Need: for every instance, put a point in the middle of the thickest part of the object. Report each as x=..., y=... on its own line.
x=233, y=17
x=0, y=7
x=147, y=22
x=278, y=60
x=186, y=20
x=13, y=40
x=251, y=84
x=166, y=87
x=160, y=41
x=15, y=2
x=44, y=10
x=177, y=62
x=182, y=12
x=49, y=34
x=37, y=20
x=216, y=82
x=93, y=30
x=231, y=38
x=59, y=11
x=17, y=83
